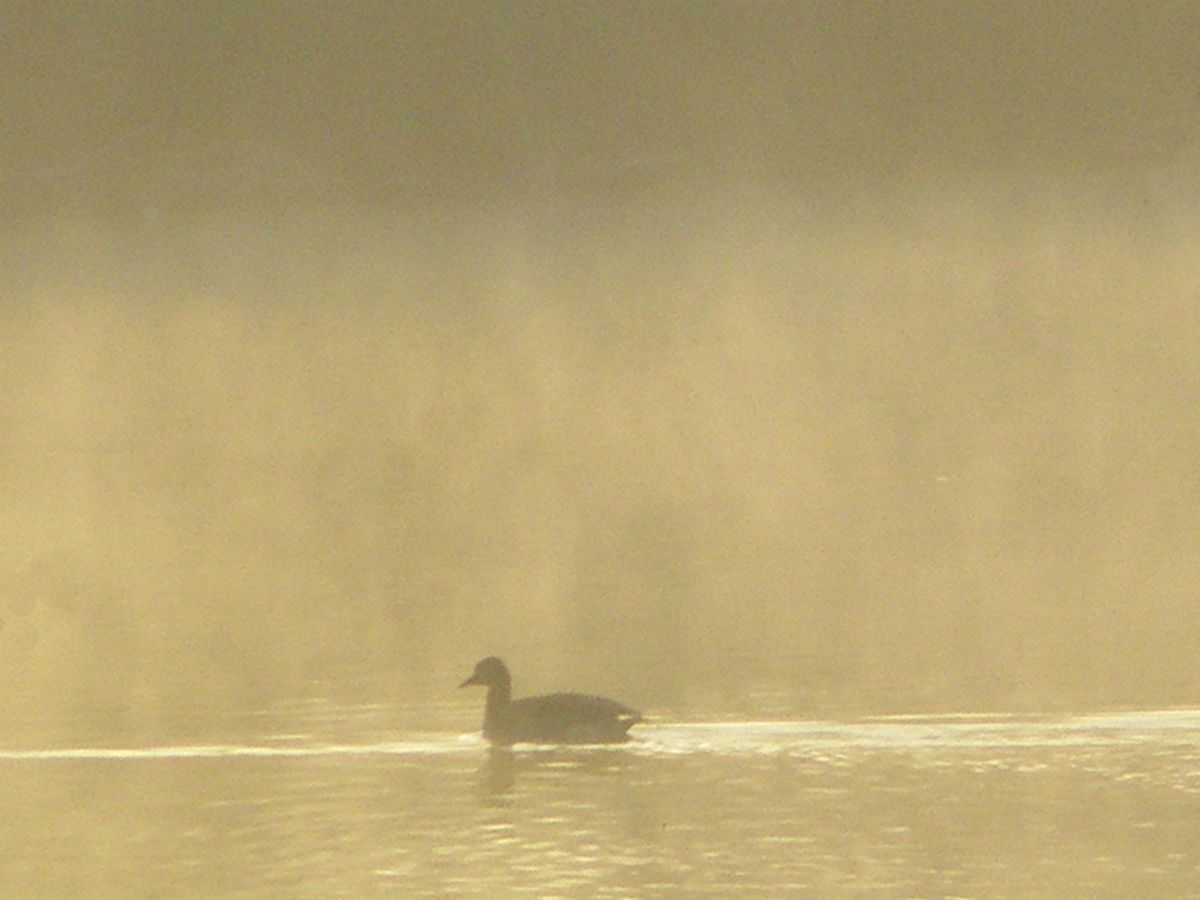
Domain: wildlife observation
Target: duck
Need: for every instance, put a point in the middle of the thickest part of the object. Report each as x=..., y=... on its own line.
x=548, y=719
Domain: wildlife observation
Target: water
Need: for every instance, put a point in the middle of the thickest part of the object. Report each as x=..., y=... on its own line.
x=324, y=802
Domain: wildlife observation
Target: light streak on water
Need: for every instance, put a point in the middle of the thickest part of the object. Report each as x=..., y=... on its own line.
x=900, y=733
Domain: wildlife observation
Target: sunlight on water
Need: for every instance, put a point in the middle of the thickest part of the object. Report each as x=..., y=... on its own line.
x=914, y=732
x=917, y=806
x=762, y=737
x=431, y=746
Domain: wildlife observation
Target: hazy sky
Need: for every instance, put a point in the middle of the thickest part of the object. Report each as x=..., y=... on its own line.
x=841, y=350
x=119, y=103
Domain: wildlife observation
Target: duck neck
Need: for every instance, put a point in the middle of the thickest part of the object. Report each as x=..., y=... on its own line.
x=496, y=711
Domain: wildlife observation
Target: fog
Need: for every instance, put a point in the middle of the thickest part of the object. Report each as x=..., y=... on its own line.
x=728, y=358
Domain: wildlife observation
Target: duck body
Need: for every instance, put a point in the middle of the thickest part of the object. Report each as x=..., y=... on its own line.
x=548, y=719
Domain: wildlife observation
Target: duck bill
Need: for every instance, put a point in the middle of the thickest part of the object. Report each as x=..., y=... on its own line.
x=470, y=681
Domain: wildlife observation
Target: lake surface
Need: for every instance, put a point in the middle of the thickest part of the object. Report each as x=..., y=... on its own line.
x=322, y=801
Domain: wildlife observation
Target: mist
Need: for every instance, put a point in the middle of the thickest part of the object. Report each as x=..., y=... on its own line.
x=781, y=358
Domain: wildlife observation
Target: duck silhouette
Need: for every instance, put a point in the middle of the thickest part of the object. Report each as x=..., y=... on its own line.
x=549, y=719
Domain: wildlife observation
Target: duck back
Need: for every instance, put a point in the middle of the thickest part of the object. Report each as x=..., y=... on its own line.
x=565, y=719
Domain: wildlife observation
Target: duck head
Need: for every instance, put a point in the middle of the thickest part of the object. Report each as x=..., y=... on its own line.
x=490, y=672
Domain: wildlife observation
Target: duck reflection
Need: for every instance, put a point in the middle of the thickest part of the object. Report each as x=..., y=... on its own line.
x=497, y=772
x=503, y=766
